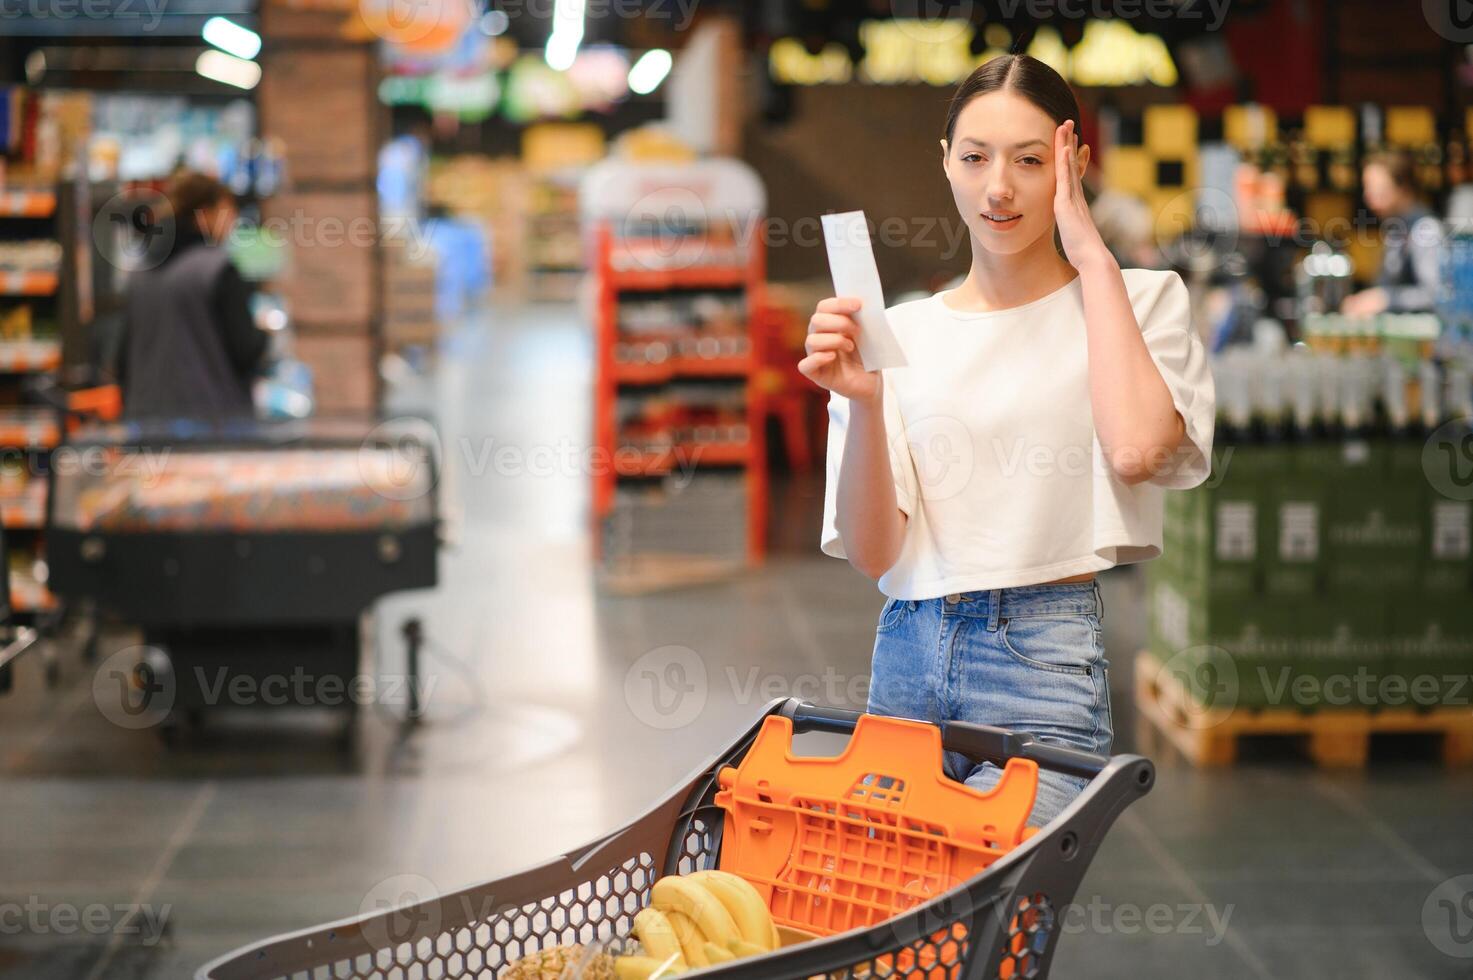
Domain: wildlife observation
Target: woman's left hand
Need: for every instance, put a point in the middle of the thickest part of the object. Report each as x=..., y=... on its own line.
x=1077, y=231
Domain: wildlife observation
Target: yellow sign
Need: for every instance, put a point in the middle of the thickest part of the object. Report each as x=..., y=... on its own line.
x=939, y=52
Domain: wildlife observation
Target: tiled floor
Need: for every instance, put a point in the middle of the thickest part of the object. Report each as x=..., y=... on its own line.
x=257, y=826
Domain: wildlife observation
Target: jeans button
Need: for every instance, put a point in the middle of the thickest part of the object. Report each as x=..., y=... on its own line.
x=954, y=598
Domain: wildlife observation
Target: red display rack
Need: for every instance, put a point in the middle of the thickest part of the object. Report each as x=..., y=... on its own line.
x=628, y=267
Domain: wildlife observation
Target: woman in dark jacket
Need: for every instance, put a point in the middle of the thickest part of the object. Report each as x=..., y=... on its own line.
x=192, y=347
x=1411, y=251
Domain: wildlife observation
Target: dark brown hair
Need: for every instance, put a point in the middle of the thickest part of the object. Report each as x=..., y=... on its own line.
x=1029, y=77
x=191, y=192
x=1399, y=164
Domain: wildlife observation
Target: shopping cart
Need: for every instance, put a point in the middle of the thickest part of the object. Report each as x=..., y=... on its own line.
x=999, y=924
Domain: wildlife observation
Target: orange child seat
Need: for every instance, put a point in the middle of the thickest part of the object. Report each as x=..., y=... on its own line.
x=852, y=840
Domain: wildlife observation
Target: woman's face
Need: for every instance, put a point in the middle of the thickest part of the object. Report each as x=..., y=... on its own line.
x=1381, y=193
x=1001, y=167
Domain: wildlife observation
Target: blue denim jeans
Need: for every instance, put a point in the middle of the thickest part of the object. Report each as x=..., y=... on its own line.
x=1030, y=659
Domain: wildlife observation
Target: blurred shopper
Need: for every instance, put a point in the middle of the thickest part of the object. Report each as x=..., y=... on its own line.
x=1411, y=252
x=191, y=347
x=1046, y=403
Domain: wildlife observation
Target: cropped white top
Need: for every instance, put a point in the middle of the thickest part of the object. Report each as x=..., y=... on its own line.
x=993, y=448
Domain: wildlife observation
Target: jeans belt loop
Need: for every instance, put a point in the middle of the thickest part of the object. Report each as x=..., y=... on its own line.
x=994, y=609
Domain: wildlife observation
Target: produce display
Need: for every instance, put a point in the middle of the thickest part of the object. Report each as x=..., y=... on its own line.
x=698, y=920
x=248, y=490
x=693, y=921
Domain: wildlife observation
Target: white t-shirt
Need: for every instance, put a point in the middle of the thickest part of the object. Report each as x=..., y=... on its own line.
x=993, y=448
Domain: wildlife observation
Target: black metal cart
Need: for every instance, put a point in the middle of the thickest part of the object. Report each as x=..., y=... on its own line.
x=1004, y=922
x=247, y=552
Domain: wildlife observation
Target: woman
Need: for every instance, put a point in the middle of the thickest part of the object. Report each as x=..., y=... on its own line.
x=1411, y=245
x=1046, y=403
x=191, y=347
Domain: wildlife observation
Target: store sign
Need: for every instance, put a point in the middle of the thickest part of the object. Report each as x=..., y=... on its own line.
x=939, y=52
x=472, y=97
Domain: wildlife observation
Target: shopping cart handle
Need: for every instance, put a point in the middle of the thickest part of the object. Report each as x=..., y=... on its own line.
x=983, y=743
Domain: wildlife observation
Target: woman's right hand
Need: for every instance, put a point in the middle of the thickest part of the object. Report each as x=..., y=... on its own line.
x=833, y=351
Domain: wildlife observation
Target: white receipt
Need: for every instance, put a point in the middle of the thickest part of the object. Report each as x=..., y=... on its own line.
x=852, y=264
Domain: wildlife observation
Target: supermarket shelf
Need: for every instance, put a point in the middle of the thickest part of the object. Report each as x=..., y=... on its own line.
x=695, y=277
x=630, y=322
x=631, y=372
x=626, y=463
x=30, y=597
x=25, y=509
x=15, y=282
x=42, y=258
x=28, y=428
x=682, y=456
x=27, y=356
x=27, y=204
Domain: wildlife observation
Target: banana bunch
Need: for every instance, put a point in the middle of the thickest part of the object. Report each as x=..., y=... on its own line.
x=701, y=919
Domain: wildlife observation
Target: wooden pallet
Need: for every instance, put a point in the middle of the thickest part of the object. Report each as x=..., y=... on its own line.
x=1336, y=737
